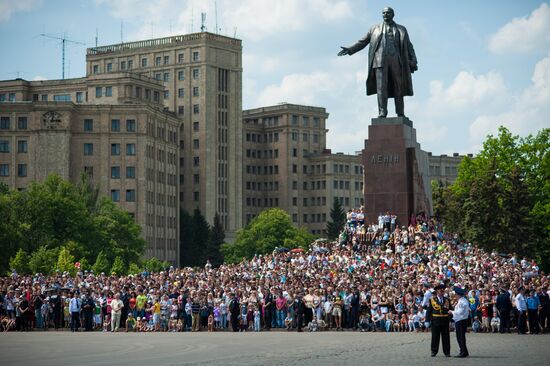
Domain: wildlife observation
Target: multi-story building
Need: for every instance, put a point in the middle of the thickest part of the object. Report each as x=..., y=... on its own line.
x=202, y=78
x=112, y=127
x=286, y=165
x=444, y=168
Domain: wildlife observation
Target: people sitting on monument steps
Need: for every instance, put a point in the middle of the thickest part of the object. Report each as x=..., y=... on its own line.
x=378, y=277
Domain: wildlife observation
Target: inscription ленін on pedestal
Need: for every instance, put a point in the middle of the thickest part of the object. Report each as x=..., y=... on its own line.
x=385, y=159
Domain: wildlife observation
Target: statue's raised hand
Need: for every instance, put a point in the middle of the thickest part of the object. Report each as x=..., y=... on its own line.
x=344, y=51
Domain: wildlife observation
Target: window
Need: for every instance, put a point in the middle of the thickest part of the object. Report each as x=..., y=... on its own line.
x=123, y=65
x=115, y=172
x=62, y=98
x=4, y=146
x=22, y=146
x=195, y=91
x=305, y=121
x=98, y=92
x=22, y=123
x=143, y=62
x=4, y=123
x=181, y=110
x=196, y=56
x=130, y=64
x=195, y=108
x=196, y=161
x=115, y=149
x=295, y=120
x=88, y=149
x=115, y=125
x=79, y=97
x=44, y=97
x=180, y=58
x=195, y=126
x=166, y=94
x=96, y=69
x=157, y=61
x=2, y=97
x=196, y=196
x=158, y=76
x=181, y=75
x=130, y=195
x=304, y=137
x=11, y=97
x=4, y=170
x=109, y=67
x=115, y=195
x=195, y=143
x=195, y=73
x=166, y=76
x=166, y=60
x=130, y=149
x=131, y=125
x=316, y=122
x=294, y=168
x=21, y=170
x=196, y=178
x=88, y=125
x=181, y=93
x=108, y=91
x=130, y=172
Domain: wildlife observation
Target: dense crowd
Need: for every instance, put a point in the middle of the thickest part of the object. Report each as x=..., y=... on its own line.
x=376, y=277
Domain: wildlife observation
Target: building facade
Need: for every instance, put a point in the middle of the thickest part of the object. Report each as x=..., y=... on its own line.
x=286, y=164
x=202, y=78
x=444, y=168
x=113, y=128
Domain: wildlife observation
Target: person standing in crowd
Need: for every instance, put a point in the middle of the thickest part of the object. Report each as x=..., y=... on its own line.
x=460, y=317
x=124, y=297
x=544, y=315
x=299, y=310
x=268, y=303
x=38, y=301
x=438, y=313
x=75, y=305
x=234, y=309
x=521, y=308
x=88, y=307
x=116, y=311
x=504, y=307
x=24, y=312
x=533, y=305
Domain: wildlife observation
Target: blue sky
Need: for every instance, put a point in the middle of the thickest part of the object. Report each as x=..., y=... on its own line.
x=481, y=63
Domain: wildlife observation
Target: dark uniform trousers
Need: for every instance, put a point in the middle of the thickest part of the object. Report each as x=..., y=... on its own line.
x=440, y=329
x=460, y=329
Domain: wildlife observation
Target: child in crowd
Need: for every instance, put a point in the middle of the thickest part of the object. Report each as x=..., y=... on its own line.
x=210, y=323
x=257, y=316
x=495, y=324
x=97, y=315
x=107, y=323
x=476, y=325
x=179, y=326
x=288, y=321
x=217, y=315
x=130, y=323
x=313, y=325
x=66, y=314
x=139, y=324
x=172, y=324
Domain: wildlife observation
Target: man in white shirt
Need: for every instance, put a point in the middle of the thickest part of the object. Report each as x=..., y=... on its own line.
x=460, y=316
x=74, y=308
x=521, y=306
x=116, y=310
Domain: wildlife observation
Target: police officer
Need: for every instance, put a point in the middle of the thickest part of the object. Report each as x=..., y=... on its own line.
x=299, y=310
x=460, y=316
x=438, y=313
x=88, y=306
x=234, y=309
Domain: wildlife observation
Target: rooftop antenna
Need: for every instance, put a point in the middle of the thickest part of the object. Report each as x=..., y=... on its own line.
x=192, y=16
x=216, y=14
x=203, y=20
x=170, y=27
x=234, y=32
x=96, y=37
x=121, y=31
x=64, y=40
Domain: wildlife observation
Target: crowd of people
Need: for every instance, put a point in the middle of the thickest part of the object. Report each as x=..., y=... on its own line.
x=376, y=277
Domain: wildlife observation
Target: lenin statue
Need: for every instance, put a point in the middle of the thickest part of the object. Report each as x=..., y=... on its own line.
x=391, y=62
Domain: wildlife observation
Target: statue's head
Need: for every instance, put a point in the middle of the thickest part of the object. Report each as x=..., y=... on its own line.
x=388, y=14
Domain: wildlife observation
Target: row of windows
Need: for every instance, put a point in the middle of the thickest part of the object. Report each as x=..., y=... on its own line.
x=266, y=137
x=267, y=154
x=22, y=146
x=10, y=97
x=181, y=92
x=265, y=170
x=5, y=123
x=259, y=186
x=319, y=217
x=259, y=202
x=305, y=137
x=312, y=185
x=345, y=184
x=305, y=121
x=344, y=168
x=99, y=91
x=310, y=201
x=130, y=195
x=88, y=125
x=160, y=199
x=5, y=170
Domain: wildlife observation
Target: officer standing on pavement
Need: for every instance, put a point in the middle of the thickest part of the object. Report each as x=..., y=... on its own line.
x=438, y=313
x=460, y=317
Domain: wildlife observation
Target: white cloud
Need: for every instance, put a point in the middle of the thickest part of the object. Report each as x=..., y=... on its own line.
x=527, y=114
x=8, y=7
x=298, y=88
x=39, y=78
x=524, y=34
x=252, y=20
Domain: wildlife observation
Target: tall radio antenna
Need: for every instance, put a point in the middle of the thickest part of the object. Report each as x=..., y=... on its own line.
x=64, y=40
x=203, y=21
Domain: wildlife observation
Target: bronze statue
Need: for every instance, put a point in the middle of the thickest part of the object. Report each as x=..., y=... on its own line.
x=391, y=62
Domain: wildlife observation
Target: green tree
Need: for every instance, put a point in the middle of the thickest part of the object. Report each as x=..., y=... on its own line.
x=186, y=235
x=20, y=263
x=155, y=265
x=101, y=264
x=118, y=267
x=270, y=229
x=195, y=244
x=215, y=241
x=65, y=261
x=134, y=269
x=337, y=219
x=43, y=260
